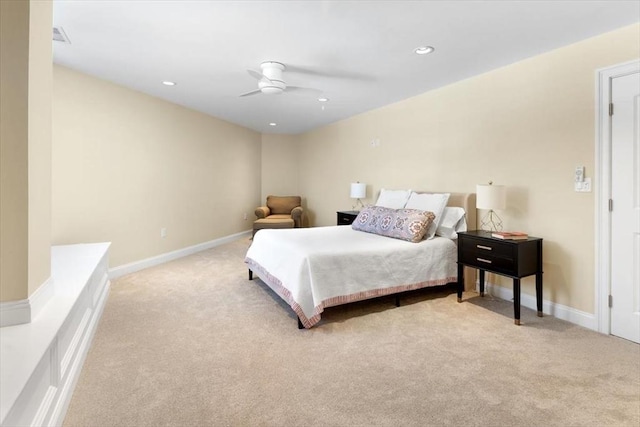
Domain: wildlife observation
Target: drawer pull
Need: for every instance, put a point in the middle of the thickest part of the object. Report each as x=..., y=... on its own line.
x=487, y=248
x=484, y=260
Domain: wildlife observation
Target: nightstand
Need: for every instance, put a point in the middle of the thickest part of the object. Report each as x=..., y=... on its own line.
x=511, y=258
x=346, y=217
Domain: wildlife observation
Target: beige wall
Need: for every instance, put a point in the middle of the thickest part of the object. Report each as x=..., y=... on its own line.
x=14, y=107
x=40, y=125
x=126, y=165
x=25, y=147
x=279, y=165
x=526, y=126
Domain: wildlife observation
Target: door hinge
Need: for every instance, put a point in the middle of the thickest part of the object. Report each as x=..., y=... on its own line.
x=611, y=109
x=610, y=205
x=610, y=301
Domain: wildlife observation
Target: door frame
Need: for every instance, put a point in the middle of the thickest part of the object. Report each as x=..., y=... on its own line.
x=602, y=312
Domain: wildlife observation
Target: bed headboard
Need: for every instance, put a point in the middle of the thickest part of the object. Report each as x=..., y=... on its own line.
x=463, y=200
x=468, y=202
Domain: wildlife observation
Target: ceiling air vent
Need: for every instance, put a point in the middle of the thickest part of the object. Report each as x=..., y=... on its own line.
x=59, y=35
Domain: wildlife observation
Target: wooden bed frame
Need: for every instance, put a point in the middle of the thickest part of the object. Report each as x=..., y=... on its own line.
x=464, y=200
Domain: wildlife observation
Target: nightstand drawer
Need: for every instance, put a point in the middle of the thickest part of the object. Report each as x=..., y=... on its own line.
x=346, y=217
x=488, y=261
x=344, y=220
x=488, y=247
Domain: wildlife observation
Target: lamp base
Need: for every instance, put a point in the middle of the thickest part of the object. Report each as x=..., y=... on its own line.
x=355, y=207
x=491, y=222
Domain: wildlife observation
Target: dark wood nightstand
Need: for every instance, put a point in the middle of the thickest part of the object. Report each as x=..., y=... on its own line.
x=346, y=217
x=511, y=258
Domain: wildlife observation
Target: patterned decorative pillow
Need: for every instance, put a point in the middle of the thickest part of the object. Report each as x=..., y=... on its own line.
x=430, y=202
x=405, y=224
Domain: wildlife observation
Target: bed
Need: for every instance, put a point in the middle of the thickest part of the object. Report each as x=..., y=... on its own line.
x=315, y=268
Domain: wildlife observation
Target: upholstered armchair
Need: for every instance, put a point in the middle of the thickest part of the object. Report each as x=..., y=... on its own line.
x=279, y=212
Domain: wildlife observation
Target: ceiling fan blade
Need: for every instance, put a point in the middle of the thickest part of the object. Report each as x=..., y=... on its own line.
x=258, y=76
x=253, y=92
x=328, y=72
x=299, y=89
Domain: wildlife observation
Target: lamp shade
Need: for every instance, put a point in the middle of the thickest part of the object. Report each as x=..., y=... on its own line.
x=358, y=190
x=491, y=196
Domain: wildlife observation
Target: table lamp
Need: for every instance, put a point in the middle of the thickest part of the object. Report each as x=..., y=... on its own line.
x=489, y=196
x=358, y=191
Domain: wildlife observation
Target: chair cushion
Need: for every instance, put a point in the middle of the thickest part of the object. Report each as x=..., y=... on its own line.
x=270, y=222
x=282, y=204
x=279, y=216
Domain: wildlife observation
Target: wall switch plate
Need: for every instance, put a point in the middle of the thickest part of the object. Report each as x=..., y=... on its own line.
x=579, y=175
x=583, y=186
x=163, y=232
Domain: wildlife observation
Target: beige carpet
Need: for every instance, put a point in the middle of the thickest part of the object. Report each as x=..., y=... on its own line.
x=194, y=343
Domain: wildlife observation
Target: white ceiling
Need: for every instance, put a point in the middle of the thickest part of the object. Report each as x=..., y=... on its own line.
x=359, y=53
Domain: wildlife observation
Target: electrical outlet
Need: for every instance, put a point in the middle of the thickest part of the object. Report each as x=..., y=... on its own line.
x=163, y=232
x=244, y=216
x=583, y=186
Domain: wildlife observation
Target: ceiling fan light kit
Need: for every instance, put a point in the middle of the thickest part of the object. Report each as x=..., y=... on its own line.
x=271, y=81
x=273, y=87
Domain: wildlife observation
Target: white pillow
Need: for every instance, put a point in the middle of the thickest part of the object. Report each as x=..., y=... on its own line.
x=393, y=199
x=453, y=220
x=432, y=202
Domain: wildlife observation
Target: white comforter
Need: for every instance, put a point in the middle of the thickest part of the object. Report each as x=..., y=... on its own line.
x=313, y=268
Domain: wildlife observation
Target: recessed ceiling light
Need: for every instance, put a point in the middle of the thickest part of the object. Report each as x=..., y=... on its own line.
x=272, y=124
x=168, y=83
x=323, y=99
x=423, y=50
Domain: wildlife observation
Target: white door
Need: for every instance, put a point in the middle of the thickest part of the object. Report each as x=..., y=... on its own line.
x=625, y=214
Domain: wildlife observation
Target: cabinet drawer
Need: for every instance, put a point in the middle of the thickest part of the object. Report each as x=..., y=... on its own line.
x=488, y=261
x=488, y=254
x=488, y=247
x=344, y=220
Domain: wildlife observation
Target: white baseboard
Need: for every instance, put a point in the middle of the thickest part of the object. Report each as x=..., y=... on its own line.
x=42, y=359
x=23, y=311
x=39, y=299
x=560, y=311
x=15, y=313
x=121, y=270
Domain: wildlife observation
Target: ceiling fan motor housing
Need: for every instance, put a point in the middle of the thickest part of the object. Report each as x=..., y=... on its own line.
x=273, y=83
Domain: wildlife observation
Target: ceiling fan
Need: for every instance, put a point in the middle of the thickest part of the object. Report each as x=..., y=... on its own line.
x=271, y=81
